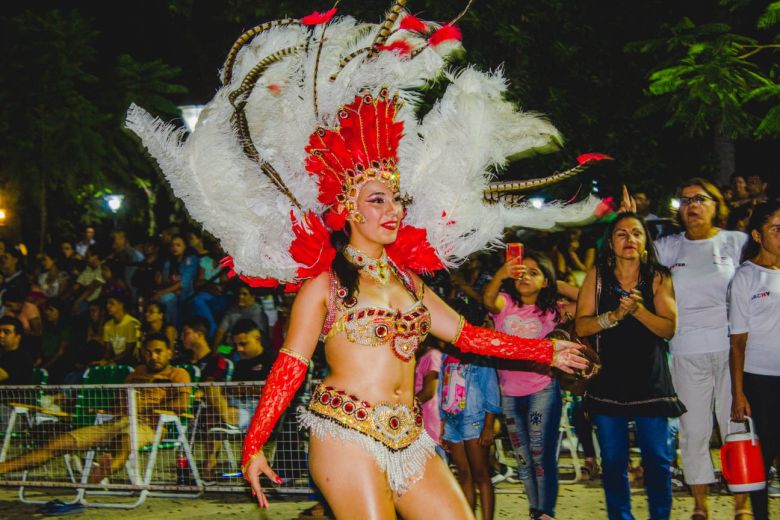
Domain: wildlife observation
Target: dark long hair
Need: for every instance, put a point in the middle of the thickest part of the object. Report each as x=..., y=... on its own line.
x=760, y=216
x=347, y=273
x=606, y=258
x=547, y=301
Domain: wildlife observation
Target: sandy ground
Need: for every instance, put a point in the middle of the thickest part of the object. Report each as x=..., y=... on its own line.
x=576, y=501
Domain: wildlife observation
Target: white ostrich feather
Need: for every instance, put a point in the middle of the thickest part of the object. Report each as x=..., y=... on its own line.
x=446, y=160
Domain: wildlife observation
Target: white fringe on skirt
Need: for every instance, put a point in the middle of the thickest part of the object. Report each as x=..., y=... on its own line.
x=403, y=467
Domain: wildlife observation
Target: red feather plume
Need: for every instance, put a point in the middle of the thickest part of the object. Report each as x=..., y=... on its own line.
x=317, y=18
x=588, y=157
x=311, y=246
x=446, y=33
x=401, y=46
x=411, y=250
x=412, y=23
x=251, y=281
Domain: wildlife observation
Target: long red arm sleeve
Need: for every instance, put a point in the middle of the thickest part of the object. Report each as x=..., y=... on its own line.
x=286, y=376
x=486, y=342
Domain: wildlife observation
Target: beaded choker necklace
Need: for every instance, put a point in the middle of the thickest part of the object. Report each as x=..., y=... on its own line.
x=378, y=270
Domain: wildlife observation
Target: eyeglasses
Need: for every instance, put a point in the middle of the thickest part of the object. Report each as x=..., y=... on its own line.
x=696, y=199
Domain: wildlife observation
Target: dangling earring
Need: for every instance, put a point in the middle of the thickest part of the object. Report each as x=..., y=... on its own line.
x=358, y=217
x=643, y=257
x=611, y=260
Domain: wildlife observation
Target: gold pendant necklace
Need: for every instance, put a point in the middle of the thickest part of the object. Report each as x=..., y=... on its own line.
x=378, y=270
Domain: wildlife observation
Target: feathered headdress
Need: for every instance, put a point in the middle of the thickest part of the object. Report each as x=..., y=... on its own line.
x=312, y=108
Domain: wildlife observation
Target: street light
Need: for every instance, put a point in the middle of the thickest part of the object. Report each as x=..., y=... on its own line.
x=190, y=114
x=3, y=216
x=114, y=203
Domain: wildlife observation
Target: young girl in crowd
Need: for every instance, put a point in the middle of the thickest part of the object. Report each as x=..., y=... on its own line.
x=470, y=401
x=154, y=322
x=522, y=300
x=754, y=327
x=426, y=389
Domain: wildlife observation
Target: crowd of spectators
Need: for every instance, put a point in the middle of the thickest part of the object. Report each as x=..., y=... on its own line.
x=96, y=300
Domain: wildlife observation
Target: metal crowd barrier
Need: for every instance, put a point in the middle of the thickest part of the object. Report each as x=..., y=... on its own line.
x=112, y=445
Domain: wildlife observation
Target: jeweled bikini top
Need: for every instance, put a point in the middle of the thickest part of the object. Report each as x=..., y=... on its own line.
x=377, y=326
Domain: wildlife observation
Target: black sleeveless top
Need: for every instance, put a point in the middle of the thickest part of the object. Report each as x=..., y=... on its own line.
x=634, y=378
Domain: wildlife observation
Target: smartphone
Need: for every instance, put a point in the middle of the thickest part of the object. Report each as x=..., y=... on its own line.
x=514, y=250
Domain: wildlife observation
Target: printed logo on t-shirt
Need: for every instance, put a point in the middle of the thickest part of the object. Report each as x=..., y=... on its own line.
x=677, y=265
x=522, y=327
x=758, y=296
x=721, y=260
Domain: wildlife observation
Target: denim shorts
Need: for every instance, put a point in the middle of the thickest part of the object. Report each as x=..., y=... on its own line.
x=458, y=430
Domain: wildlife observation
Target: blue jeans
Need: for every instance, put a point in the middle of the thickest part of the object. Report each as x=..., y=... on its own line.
x=209, y=307
x=532, y=422
x=652, y=433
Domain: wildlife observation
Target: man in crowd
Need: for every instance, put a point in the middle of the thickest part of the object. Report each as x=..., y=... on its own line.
x=121, y=331
x=213, y=367
x=88, y=283
x=128, y=256
x=12, y=275
x=157, y=353
x=246, y=307
x=16, y=360
x=644, y=205
x=87, y=241
x=756, y=187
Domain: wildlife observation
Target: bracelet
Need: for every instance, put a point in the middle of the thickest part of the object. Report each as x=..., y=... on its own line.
x=461, y=323
x=554, y=352
x=605, y=322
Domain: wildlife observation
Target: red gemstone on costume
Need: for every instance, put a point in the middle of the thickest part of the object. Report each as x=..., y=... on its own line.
x=325, y=398
x=418, y=420
x=336, y=401
x=380, y=331
x=349, y=407
x=361, y=414
x=394, y=423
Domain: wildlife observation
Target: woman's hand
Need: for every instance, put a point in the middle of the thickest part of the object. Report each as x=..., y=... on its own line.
x=632, y=303
x=487, y=435
x=259, y=465
x=740, y=408
x=566, y=356
x=627, y=204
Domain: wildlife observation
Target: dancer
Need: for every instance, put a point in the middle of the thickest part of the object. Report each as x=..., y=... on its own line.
x=329, y=214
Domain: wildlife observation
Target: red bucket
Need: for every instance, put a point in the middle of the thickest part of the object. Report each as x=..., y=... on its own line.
x=740, y=458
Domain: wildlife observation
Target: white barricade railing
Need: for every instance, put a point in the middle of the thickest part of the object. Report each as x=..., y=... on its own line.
x=139, y=440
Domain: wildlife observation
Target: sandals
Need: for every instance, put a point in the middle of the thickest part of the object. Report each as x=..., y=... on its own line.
x=699, y=514
x=743, y=514
x=60, y=508
x=590, y=469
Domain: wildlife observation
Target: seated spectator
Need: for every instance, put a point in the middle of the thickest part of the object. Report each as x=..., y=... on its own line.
x=157, y=354
x=235, y=410
x=175, y=281
x=52, y=280
x=72, y=262
x=145, y=278
x=16, y=305
x=95, y=321
x=154, y=322
x=739, y=217
x=213, y=367
x=57, y=337
x=114, y=283
x=16, y=360
x=88, y=283
x=127, y=256
x=209, y=301
x=246, y=306
x=87, y=241
x=80, y=357
x=11, y=263
x=122, y=332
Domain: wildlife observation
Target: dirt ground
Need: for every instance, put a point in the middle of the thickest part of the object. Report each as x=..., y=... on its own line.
x=583, y=500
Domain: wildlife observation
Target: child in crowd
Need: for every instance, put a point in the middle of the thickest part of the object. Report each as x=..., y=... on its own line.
x=522, y=299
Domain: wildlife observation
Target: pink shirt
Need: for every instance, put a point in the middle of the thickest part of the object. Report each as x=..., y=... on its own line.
x=429, y=362
x=526, y=322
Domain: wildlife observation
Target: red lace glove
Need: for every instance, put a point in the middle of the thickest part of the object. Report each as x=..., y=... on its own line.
x=286, y=376
x=486, y=342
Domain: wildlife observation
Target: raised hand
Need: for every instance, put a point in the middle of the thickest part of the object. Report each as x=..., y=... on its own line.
x=627, y=203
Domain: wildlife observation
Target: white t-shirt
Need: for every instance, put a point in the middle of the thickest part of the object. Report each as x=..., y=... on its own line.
x=754, y=307
x=701, y=272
